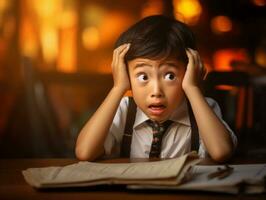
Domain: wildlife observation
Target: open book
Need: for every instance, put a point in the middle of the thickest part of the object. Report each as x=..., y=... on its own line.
x=181, y=173
x=166, y=172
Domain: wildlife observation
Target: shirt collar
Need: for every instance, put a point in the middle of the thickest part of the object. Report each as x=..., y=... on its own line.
x=179, y=115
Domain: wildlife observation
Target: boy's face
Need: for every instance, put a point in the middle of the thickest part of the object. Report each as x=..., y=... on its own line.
x=157, y=86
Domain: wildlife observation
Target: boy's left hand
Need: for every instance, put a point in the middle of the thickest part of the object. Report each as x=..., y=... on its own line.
x=195, y=71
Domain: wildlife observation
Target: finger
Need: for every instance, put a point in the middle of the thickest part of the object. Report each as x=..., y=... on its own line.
x=195, y=56
x=192, y=51
x=119, y=49
x=202, y=69
x=117, y=52
x=114, y=61
x=199, y=62
x=124, y=51
x=191, y=57
x=120, y=57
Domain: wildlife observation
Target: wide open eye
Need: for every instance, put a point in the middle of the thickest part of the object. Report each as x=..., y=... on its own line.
x=142, y=77
x=170, y=76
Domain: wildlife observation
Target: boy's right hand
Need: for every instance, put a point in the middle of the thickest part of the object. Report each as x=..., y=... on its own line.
x=120, y=75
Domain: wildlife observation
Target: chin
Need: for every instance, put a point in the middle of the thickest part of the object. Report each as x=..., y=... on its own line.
x=158, y=118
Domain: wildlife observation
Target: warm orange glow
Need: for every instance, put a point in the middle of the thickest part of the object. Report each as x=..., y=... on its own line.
x=68, y=19
x=105, y=65
x=259, y=2
x=93, y=15
x=260, y=56
x=4, y=4
x=113, y=24
x=188, y=11
x=9, y=27
x=225, y=87
x=92, y=19
x=49, y=29
x=68, y=50
x=90, y=38
x=222, y=58
x=47, y=13
x=47, y=9
x=28, y=39
x=221, y=24
x=49, y=42
x=152, y=7
x=67, y=57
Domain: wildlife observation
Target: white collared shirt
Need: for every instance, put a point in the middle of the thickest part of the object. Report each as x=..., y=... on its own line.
x=176, y=141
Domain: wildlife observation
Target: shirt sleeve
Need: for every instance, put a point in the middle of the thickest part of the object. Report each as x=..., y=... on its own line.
x=113, y=140
x=214, y=105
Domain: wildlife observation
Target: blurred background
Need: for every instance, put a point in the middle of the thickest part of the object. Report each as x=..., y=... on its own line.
x=55, y=58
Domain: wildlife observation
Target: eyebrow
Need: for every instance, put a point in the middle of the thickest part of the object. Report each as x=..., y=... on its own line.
x=142, y=65
x=172, y=64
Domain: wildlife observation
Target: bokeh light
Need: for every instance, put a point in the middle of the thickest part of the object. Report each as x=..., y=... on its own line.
x=188, y=11
x=221, y=24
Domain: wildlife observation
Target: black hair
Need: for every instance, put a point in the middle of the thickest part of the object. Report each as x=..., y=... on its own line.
x=157, y=36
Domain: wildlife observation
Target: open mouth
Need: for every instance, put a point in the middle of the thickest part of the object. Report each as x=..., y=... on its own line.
x=157, y=107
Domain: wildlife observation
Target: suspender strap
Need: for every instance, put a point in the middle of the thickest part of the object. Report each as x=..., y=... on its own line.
x=194, y=129
x=127, y=137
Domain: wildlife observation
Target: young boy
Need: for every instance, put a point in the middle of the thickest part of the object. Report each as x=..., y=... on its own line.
x=157, y=60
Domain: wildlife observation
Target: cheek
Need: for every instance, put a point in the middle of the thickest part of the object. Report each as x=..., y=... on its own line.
x=139, y=95
x=137, y=90
x=175, y=94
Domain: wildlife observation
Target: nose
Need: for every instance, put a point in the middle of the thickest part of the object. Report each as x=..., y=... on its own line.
x=156, y=89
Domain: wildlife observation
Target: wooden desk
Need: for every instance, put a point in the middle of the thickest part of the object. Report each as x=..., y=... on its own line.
x=13, y=186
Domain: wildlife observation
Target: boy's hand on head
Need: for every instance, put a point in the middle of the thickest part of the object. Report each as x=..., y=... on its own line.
x=120, y=75
x=195, y=71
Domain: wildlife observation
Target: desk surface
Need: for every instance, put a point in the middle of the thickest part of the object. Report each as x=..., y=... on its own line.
x=13, y=186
